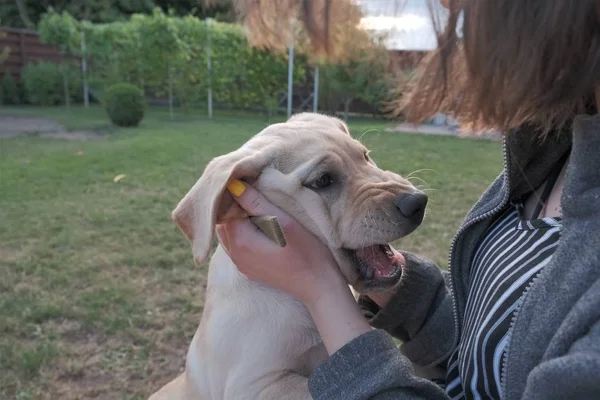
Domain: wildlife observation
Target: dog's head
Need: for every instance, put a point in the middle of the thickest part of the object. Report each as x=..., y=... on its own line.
x=312, y=168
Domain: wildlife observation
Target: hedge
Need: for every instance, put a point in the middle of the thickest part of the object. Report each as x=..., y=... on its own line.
x=9, y=90
x=46, y=83
x=166, y=55
x=160, y=52
x=124, y=103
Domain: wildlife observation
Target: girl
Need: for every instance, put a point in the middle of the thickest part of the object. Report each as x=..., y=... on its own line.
x=518, y=314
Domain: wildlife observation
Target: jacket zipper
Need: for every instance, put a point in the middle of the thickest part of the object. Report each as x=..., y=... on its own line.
x=510, y=330
x=468, y=223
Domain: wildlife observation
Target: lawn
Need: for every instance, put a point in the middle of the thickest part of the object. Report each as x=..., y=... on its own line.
x=99, y=296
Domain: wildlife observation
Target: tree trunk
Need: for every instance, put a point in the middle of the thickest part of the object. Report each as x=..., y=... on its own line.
x=66, y=88
x=170, y=92
x=84, y=72
x=22, y=7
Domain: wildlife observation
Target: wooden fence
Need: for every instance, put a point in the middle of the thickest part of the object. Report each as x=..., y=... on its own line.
x=24, y=47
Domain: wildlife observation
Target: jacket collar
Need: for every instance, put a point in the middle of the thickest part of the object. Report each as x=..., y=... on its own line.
x=581, y=194
x=529, y=158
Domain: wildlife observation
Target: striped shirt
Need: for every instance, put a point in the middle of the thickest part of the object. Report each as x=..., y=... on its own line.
x=511, y=254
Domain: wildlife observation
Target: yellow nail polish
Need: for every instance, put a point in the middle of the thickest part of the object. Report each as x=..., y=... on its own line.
x=236, y=187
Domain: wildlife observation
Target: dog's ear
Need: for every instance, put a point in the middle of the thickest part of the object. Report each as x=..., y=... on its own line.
x=208, y=202
x=343, y=126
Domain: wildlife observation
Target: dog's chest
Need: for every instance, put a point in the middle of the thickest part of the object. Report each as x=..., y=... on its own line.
x=244, y=317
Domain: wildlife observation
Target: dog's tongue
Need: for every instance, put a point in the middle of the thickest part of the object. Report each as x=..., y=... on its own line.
x=377, y=258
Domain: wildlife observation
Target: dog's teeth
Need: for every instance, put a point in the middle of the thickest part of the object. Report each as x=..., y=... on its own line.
x=370, y=273
x=388, y=251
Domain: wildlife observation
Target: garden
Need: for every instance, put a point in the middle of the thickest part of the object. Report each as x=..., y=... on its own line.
x=180, y=62
x=99, y=294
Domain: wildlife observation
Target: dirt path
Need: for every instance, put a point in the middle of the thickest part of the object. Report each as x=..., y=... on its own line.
x=444, y=131
x=11, y=126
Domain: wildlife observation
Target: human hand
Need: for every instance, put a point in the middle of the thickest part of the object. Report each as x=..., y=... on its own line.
x=304, y=268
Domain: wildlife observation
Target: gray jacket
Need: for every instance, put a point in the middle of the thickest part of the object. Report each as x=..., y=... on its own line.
x=554, y=349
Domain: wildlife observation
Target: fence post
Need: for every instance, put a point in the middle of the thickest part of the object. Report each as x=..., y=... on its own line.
x=209, y=68
x=316, y=90
x=65, y=71
x=290, y=74
x=23, y=57
x=170, y=83
x=86, y=90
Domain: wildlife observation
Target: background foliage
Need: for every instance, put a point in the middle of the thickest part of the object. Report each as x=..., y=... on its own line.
x=162, y=52
x=125, y=105
x=27, y=13
x=166, y=55
x=44, y=83
x=9, y=91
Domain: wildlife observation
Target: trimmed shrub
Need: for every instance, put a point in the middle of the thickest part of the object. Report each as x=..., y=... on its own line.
x=44, y=83
x=125, y=104
x=9, y=91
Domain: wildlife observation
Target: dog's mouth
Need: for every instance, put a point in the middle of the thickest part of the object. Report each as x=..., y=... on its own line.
x=378, y=263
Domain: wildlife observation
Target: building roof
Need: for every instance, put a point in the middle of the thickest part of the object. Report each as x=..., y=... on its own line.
x=406, y=23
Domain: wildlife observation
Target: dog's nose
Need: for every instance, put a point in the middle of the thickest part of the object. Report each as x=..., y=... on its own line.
x=412, y=206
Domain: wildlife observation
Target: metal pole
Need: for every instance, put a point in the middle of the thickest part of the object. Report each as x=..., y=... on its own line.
x=170, y=89
x=209, y=68
x=86, y=90
x=290, y=75
x=316, y=91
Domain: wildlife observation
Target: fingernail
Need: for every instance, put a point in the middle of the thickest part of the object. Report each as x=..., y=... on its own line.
x=236, y=187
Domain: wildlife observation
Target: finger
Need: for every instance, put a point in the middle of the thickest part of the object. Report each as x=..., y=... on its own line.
x=233, y=211
x=254, y=202
x=243, y=234
x=222, y=236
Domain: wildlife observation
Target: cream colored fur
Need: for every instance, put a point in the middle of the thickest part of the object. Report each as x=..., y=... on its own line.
x=254, y=342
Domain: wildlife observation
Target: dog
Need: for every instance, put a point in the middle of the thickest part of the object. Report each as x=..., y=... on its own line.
x=255, y=342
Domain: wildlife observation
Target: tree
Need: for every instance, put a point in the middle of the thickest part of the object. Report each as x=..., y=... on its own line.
x=5, y=51
x=363, y=74
x=374, y=76
x=63, y=30
x=220, y=10
x=23, y=14
x=9, y=92
x=27, y=14
x=272, y=24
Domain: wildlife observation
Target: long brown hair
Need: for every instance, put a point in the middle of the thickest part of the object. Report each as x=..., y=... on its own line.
x=515, y=61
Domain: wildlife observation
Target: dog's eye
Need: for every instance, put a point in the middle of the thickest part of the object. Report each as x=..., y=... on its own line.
x=366, y=154
x=323, y=181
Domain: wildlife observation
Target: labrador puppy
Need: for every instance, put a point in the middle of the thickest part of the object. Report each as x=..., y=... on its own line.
x=255, y=342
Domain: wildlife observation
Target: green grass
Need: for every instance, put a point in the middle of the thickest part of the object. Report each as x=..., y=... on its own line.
x=99, y=296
